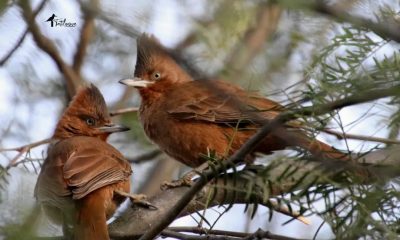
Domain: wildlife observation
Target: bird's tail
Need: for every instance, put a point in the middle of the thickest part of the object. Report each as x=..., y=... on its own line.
x=91, y=217
x=298, y=138
x=332, y=159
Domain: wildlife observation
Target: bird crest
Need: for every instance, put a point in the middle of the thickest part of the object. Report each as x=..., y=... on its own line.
x=148, y=49
x=91, y=99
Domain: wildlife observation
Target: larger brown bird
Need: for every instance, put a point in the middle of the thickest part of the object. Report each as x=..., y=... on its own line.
x=84, y=179
x=188, y=119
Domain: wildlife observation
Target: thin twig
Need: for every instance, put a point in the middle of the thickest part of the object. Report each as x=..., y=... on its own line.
x=22, y=38
x=341, y=136
x=254, y=141
x=260, y=234
x=385, y=30
x=123, y=111
x=27, y=146
x=254, y=38
x=199, y=230
x=288, y=212
x=28, y=160
x=24, y=149
x=72, y=78
x=124, y=28
x=211, y=234
x=181, y=236
x=85, y=36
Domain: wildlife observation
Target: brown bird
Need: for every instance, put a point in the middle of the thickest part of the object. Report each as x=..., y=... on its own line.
x=188, y=119
x=84, y=179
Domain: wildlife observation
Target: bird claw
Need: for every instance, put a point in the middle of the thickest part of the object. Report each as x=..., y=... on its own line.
x=140, y=199
x=137, y=199
x=184, y=181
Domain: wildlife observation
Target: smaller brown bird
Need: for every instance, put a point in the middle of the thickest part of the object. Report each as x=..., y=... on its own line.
x=84, y=179
x=188, y=119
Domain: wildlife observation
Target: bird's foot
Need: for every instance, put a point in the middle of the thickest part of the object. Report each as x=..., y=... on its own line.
x=137, y=199
x=141, y=199
x=186, y=180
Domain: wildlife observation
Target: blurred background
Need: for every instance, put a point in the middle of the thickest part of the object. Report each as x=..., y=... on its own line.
x=286, y=51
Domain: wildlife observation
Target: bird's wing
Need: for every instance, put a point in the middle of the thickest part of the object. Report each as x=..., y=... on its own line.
x=50, y=181
x=220, y=102
x=94, y=165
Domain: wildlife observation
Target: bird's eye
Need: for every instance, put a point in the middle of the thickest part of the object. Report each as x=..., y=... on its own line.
x=156, y=75
x=90, y=121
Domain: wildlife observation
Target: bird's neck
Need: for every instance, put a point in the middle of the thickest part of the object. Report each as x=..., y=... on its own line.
x=149, y=97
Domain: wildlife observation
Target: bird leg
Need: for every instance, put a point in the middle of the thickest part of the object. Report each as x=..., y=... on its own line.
x=186, y=180
x=137, y=199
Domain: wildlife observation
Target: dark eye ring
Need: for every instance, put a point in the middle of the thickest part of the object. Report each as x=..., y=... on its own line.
x=157, y=75
x=90, y=121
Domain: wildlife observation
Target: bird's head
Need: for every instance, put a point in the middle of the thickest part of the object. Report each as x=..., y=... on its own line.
x=156, y=70
x=87, y=115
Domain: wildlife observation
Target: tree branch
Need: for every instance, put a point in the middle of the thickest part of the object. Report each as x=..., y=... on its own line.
x=23, y=149
x=178, y=235
x=72, y=78
x=119, y=25
x=220, y=235
x=254, y=39
x=199, y=230
x=232, y=189
x=27, y=146
x=163, y=170
x=259, y=233
x=135, y=221
x=85, y=36
x=341, y=136
x=385, y=30
x=22, y=38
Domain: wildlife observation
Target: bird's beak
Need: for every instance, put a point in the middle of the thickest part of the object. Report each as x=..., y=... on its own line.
x=136, y=82
x=111, y=128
